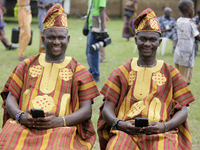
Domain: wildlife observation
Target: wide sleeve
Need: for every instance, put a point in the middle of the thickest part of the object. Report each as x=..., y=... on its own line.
x=84, y=84
x=14, y=84
x=115, y=87
x=182, y=94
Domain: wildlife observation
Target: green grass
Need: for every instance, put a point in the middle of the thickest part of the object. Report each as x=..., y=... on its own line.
x=117, y=53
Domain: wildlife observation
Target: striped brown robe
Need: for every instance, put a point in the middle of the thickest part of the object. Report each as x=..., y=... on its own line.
x=154, y=93
x=52, y=87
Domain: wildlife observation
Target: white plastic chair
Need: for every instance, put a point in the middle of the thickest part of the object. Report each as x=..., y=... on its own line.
x=163, y=46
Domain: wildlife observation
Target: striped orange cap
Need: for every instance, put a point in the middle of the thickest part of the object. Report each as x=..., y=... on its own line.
x=147, y=21
x=55, y=18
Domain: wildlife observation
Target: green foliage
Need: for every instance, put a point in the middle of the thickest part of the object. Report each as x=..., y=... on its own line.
x=116, y=54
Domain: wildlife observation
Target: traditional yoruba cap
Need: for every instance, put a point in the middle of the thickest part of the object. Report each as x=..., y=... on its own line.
x=55, y=18
x=147, y=21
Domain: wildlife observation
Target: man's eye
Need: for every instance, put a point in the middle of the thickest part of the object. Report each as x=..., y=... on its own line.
x=51, y=38
x=61, y=38
x=142, y=39
x=153, y=40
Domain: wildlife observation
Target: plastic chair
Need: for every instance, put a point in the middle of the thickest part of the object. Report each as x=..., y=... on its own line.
x=163, y=45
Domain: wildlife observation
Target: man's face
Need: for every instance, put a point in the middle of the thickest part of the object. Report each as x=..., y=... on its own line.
x=147, y=43
x=191, y=10
x=168, y=13
x=55, y=41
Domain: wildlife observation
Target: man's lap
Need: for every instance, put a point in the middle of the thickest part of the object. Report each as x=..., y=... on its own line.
x=121, y=140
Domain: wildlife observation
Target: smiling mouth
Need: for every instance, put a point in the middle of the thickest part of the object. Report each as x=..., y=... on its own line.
x=147, y=50
x=57, y=49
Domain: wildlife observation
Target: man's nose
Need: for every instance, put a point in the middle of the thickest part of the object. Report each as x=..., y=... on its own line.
x=147, y=43
x=56, y=41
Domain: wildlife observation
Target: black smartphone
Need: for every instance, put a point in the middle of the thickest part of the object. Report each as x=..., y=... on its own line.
x=141, y=122
x=37, y=113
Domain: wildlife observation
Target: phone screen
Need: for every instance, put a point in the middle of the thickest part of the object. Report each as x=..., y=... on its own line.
x=141, y=122
x=37, y=113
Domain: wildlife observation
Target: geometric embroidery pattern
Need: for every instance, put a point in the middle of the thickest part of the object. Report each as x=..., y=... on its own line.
x=131, y=77
x=64, y=21
x=66, y=74
x=35, y=71
x=154, y=24
x=44, y=102
x=141, y=25
x=159, y=78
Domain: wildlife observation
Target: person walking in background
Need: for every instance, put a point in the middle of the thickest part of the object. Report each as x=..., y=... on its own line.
x=168, y=26
x=24, y=20
x=102, y=49
x=43, y=7
x=130, y=14
x=184, y=54
x=197, y=21
x=97, y=30
x=3, y=37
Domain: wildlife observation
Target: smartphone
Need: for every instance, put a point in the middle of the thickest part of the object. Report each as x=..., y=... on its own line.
x=37, y=113
x=141, y=122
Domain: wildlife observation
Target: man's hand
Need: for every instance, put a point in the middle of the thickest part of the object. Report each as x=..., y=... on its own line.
x=154, y=128
x=129, y=127
x=48, y=122
x=27, y=120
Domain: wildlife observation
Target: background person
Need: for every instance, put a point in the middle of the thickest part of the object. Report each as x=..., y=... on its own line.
x=129, y=29
x=148, y=88
x=24, y=20
x=3, y=37
x=102, y=49
x=184, y=55
x=168, y=26
x=97, y=29
x=59, y=85
x=43, y=7
x=197, y=21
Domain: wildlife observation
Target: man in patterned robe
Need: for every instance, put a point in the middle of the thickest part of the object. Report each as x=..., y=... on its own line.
x=60, y=86
x=147, y=88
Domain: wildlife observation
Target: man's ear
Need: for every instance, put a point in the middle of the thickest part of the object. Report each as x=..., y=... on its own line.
x=68, y=38
x=160, y=40
x=135, y=40
x=43, y=39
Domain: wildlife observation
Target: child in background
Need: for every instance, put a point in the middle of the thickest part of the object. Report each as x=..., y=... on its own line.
x=187, y=31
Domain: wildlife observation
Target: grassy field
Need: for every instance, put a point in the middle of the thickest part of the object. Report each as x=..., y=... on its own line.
x=116, y=54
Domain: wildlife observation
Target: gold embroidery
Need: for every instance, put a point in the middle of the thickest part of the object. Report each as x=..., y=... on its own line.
x=64, y=21
x=131, y=77
x=35, y=71
x=136, y=109
x=159, y=78
x=49, y=23
x=44, y=102
x=143, y=81
x=154, y=24
x=64, y=105
x=26, y=96
x=50, y=75
x=66, y=74
x=154, y=110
